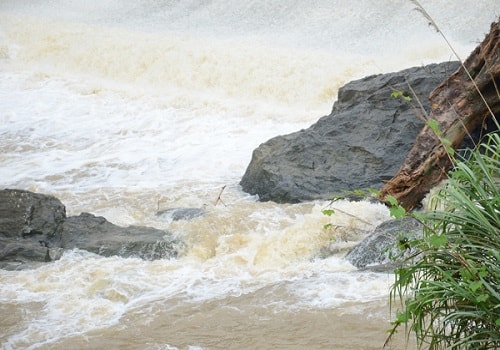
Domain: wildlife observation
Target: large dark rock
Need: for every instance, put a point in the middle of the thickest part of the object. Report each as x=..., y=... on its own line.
x=359, y=145
x=30, y=223
x=34, y=228
x=97, y=235
x=386, y=246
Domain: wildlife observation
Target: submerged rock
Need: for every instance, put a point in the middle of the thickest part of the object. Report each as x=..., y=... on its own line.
x=34, y=228
x=359, y=145
x=175, y=214
x=381, y=250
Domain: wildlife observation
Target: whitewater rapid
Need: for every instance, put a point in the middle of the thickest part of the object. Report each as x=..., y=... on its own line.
x=124, y=108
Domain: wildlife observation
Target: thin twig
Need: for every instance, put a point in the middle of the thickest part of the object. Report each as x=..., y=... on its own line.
x=425, y=116
x=414, y=109
x=348, y=214
x=219, y=199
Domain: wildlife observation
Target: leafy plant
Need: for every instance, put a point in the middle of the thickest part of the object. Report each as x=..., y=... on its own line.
x=449, y=288
x=450, y=294
x=402, y=95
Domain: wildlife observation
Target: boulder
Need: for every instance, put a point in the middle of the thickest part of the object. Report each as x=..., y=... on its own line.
x=34, y=228
x=360, y=144
x=97, y=235
x=30, y=224
x=386, y=246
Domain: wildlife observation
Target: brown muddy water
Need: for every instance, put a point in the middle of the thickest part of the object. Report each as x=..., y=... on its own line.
x=122, y=108
x=233, y=323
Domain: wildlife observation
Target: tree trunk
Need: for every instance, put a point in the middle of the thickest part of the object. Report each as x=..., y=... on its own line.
x=459, y=109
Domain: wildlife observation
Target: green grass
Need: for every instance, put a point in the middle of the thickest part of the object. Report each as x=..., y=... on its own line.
x=449, y=289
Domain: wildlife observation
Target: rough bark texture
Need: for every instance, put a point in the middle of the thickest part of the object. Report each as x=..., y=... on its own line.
x=459, y=110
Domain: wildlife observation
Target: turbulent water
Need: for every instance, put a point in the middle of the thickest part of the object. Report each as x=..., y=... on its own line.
x=121, y=108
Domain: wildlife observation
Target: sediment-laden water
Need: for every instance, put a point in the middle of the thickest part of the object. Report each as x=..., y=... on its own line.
x=123, y=108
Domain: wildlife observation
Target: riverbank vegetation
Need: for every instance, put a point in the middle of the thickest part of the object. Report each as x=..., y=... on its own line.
x=449, y=289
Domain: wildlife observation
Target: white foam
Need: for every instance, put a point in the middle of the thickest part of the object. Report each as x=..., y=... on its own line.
x=271, y=56
x=96, y=139
x=107, y=96
x=104, y=289
x=115, y=106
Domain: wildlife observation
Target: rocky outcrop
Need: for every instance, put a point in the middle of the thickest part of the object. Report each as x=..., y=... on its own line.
x=97, y=235
x=386, y=246
x=30, y=224
x=359, y=145
x=34, y=227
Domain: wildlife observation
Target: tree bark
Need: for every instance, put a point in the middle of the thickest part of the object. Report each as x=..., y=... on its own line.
x=459, y=109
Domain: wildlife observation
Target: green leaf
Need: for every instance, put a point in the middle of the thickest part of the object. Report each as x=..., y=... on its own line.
x=328, y=212
x=446, y=142
x=434, y=125
x=327, y=226
x=465, y=274
x=400, y=94
x=473, y=286
x=438, y=240
x=497, y=322
x=397, y=212
x=391, y=200
x=482, y=298
x=483, y=273
x=360, y=193
x=402, y=317
x=396, y=94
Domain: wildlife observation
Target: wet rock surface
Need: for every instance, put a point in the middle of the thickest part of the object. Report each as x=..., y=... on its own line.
x=386, y=246
x=97, y=235
x=30, y=224
x=360, y=144
x=34, y=228
x=176, y=214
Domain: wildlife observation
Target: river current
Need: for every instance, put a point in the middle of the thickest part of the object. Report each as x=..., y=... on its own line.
x=123, y=108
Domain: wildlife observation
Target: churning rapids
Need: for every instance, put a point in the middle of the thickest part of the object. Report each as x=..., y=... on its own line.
x=121, y=108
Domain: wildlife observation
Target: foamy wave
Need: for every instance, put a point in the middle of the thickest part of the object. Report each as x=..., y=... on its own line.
x=184, y=70
x=279, y=255
x=103, y=290
x=117, y=107
x=279, y=69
